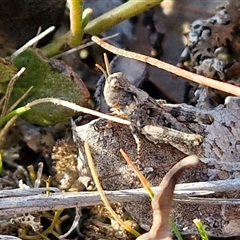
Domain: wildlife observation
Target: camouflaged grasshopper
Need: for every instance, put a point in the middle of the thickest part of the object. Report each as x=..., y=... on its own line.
x=158, y=121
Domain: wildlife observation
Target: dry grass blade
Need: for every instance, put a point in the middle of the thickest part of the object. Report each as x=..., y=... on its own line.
x=20, y=99
x=88, y=44
x=162, y=202
x=102, y=194
x=9, y=90
x=142, y=179
x=221, y=86
x=39, y=175
x=32, y=41
x=5, y=129
x=77, y=108
x=74, y=224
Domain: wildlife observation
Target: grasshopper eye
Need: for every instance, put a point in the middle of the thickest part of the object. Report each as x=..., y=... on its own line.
x=113, y=82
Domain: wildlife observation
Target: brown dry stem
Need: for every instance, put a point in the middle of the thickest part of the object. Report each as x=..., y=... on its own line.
x=78, y=108
x=162, y=202
x=142, y=179
x=221, y=86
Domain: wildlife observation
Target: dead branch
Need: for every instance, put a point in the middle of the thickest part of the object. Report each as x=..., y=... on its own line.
x=222, y=86
x=162, y=201
x=20, y=201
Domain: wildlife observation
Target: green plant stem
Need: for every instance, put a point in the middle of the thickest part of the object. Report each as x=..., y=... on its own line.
x=72, y=38
x=76, y=9
x=8, y=116
x=86, y=15
x=57, y=46
x=119, y=14
x=201, y=229
x=98, y=25
x=50, y=229
x=175, y=229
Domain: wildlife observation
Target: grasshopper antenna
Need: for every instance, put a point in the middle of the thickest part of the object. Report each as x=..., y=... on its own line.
x=106, y=72
x=102, y=70
x=107, y=64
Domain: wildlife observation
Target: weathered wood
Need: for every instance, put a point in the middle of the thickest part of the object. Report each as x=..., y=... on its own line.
x=20, y=201
x=7, y=237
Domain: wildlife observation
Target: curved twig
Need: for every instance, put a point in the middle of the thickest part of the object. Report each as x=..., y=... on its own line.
x=221, y=86
x=162, y=201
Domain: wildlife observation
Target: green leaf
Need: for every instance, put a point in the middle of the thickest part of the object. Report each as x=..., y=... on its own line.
x=49, y=78
x=7, y=71
x=86, y=16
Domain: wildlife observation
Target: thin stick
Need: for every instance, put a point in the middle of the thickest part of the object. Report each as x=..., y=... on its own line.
x=20, y=99
x=222, y=86
x=9, y=90
x=38, y=32
x=88, y=44
x=77, y=108
x=39, y=175
x=74, y=224
x=32, y=41
x=34, y=199
x=5, y=129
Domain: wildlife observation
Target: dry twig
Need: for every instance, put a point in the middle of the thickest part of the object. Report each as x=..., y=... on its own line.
x=222, y=86
x=78, y=108
x=162, y=201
